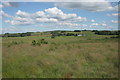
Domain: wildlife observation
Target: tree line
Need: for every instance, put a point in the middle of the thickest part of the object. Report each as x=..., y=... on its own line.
x=106, y=32
x=55, y=34
x=17, y=34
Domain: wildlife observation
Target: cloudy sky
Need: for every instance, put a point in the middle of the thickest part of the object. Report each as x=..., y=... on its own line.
x=46, y=16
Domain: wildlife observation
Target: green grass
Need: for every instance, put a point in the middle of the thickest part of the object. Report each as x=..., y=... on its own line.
x=90, y=56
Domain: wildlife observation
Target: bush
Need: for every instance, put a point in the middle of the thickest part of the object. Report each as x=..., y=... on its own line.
x=42, y=40
x=34, y=42
x=39, y=42
x=53, y=36
x=45, y=42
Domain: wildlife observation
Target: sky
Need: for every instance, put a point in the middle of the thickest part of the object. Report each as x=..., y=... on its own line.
x=20, y=17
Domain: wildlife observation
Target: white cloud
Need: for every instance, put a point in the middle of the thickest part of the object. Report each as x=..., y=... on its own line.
x=80, y=19
x=8, y=4
x=89, y=5
x=98, y=24
x=57, y=13
x=92, y=20
x=84, y=25
x=46, y=20
x=94, y=24
x=1, y=5
x=22, y=14
x=17, y=22
x=48, y=15
x=114, y=21
x=14, y=29
x=2, y=13
x=20, y=21
x=61, y=0
x=103, y=24
x=68, y=24
x=113, y=14
x=40, y=14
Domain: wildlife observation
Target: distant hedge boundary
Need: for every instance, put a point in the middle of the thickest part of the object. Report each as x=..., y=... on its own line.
x=17, y=34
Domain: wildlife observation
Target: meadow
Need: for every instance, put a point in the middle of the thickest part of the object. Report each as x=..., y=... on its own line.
x=89, y=56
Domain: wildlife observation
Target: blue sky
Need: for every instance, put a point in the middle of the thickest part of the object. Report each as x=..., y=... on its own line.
x=46, y=16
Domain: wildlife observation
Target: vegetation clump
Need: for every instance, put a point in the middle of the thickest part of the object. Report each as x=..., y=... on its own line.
x=118, y=36
x=39, y=42
x=14, y=43
x=34, y=42
x=53, y=36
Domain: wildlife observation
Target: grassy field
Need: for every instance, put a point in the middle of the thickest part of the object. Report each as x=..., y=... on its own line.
x=90, y=56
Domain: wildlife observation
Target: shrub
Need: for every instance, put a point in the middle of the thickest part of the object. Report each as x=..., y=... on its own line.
x=39, y=42
x=45, y=42
x=34, y=42
x=42, y=40
x=53, y=36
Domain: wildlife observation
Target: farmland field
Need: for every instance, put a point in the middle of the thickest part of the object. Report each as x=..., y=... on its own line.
x=89, y=56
